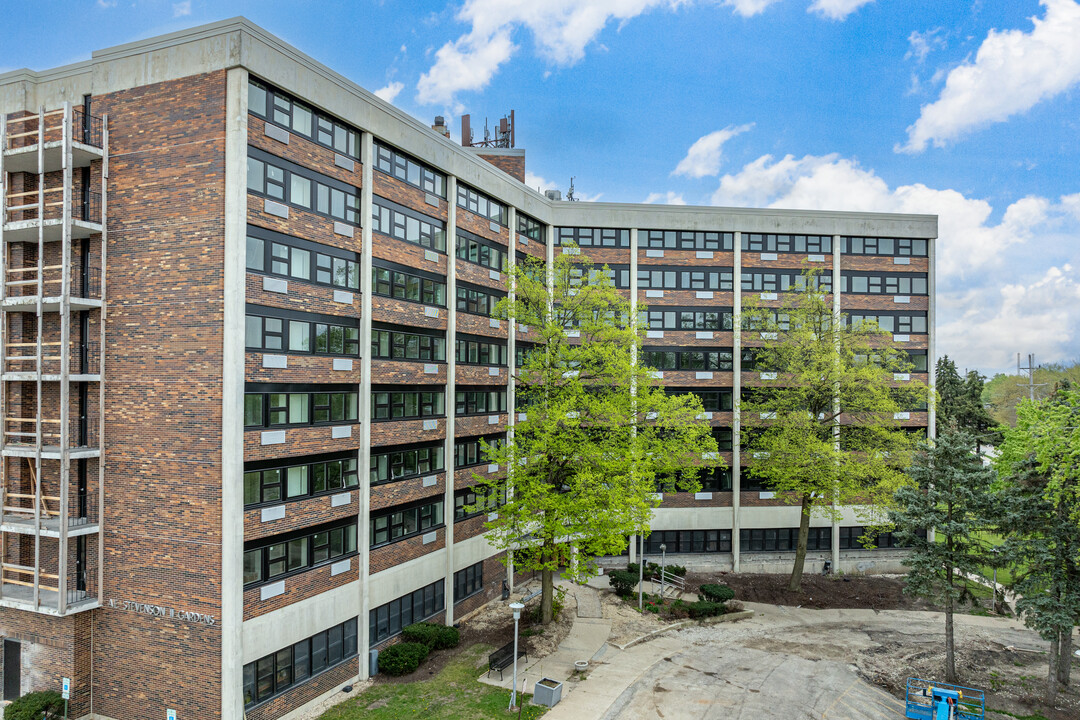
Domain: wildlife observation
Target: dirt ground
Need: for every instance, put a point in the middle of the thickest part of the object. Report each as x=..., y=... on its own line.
x=873, y=592
x=626, y=622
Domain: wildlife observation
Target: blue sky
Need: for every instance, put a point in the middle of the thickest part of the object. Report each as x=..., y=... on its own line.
x=969, y=110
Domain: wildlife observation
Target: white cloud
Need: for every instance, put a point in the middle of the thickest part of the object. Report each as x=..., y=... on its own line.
x=749, y=8
x=668, y=198
x=536, y=182
x=106, y=4
x=704, y=156
x=181, y=9
x=836, y=9
x=1012, y=72
x=923, y=43
x=389, y=92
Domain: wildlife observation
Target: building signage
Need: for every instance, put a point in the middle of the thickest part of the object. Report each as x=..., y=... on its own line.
x=162, y=611
x=66, y=689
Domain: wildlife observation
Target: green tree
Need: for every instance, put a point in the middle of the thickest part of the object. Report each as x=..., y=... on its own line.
x=1040, y=503
x=952, y=501
x=596, y=430
x=960, y=403
x=824, y=430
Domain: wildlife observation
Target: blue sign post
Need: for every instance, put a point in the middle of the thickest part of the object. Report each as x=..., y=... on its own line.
x=66, y=694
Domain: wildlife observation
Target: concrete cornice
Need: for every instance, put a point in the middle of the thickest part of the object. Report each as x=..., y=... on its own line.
x=237, y=42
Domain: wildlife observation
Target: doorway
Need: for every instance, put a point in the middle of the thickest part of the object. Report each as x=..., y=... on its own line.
x=12, y=669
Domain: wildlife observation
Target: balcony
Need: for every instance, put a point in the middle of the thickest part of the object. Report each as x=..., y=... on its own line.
x=17, y=514
x=25, y=134
x=24, y=209
x=20, y=436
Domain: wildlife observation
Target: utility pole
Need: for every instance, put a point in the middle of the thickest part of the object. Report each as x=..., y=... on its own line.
x=1030, y=384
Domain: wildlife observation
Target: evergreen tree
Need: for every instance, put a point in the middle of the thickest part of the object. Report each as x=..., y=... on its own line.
x=952, y=500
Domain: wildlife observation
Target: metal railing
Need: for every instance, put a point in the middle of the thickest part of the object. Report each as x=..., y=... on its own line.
x=21, y=206
x=22, y=358
x=82, y=508
x=24, y=131
x=23, y=282
x=23, y=431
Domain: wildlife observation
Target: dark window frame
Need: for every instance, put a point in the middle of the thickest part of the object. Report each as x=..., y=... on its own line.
x=430, y=515
x=397, y=164
x=317, y=199
x=425, y=406
x=324, y=255
x=266, y=470
x=717, y=240
x=277, y=549
x=387, y=620
x=400, y=455
x=271, y=112
x=401, y=223
x=389, y=279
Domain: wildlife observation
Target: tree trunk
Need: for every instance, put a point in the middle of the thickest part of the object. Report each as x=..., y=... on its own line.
x=547, y=584
x=800, y=548
x=1052, y=675
x=950, y=655
x=1065, y=655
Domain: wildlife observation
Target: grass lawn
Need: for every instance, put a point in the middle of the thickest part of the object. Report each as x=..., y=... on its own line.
x=453, y=694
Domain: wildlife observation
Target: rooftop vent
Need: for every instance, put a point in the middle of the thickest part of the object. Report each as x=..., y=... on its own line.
x=553, y=194
x=440, y=126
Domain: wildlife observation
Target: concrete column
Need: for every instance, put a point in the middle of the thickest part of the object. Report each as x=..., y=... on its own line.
x=633, y=314
x=511, y=361
x=451, y=384
x=836, y=280
x=363, y=541
x=232, y=395
x=736, y=391
x=931, y=349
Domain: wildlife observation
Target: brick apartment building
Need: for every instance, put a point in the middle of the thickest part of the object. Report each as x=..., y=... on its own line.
x=233, y=278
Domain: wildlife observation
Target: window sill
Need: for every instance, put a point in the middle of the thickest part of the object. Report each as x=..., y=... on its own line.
x=295, y=573
x=423, y=532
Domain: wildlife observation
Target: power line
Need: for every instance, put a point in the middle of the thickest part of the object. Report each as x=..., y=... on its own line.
x=1030, y=384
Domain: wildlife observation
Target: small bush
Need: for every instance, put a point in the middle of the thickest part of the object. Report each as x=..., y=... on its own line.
x=735, y=606
x=705, y=608
x=677, y=570
x=33, y=706
x=403, y=658
x=717, y=593
x=558, y=602
x=436, y=637
x=623, y=582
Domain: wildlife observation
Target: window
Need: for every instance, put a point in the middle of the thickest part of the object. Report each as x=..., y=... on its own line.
x=712, y=399
x=813, y=244
x=276, y=330
x=471, y=502
x=521, y=351
x=404, y=168
x=891, y=322
x=285, y=405
x=476, y=300
x=395, y=404
x=386, y=621
x=783, y=539
x=399, y=222
x=910, y=247
x=392, y=280
x=687, y=359
x=277, y=672
x=687, y=240
x=392, y=344
x=851, y=538
x=883, y=283
x=400, y=522
x=480, y=351
x=272, y=253
x=271, y=481
x=468, y=581
x=619, y=275
x=479, y=402
x=530, y=228
x=592, y=237
x=688, y=541
x=722, y=436
x=280, y=109
x=480, y=251
x=290, y=183
x=710, y=479
x=482, y=205
x=403, y=462
x=675, y=318
x=657, y=277
x=270, y=558
x=469, y=452
x=784, y=281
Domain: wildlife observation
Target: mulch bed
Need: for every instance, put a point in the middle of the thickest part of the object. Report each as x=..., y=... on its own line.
x=818, y=591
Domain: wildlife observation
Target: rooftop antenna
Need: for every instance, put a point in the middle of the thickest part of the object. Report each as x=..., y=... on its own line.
x=570, y=193
x=1030, y=384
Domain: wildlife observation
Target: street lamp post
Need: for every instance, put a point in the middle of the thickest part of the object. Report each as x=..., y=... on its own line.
x=663, y=566
x=995, y=550
x=641, y=569
x=516, y=607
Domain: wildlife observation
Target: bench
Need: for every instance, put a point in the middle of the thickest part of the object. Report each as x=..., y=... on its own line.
x=531, y=595
x=504, y=657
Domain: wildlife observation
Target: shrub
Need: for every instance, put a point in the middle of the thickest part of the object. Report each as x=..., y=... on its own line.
x=717, y=593
x=623, y=582
x=677, y=570
x=436, y=637
x=403, y=658
x=735, y=606
x=558, y=601
x=705, y=608
x=33, y=706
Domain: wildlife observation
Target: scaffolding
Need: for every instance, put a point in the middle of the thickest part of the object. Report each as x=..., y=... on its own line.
x=51, y=302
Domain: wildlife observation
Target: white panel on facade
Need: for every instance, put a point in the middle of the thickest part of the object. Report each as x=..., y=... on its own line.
x=768, y=256
x=654, y=333
x=704, y=254
x=654, y=253
x=703, y=335
x=766, y=495
x=493, y=516
x=654, y=293
x=901, y=299
x=431, y=256
x=275, y=361
x=703, y=496
x=494, y=274
x=344, y=162
x=703, y=375
x=272, y=437
x=341, y=431
x=901, y=261
x=272, y=513
x=493, y=371
x=768, y=376
x=431, y=312
x=493, y=419
x=901, y=338
x=768, y=296
x=343, y=296
x=571, y=251
x=430, y=538
x=573, y=333
x=340, y=499
x=704, y=294
x=768, y=336
x=493, y=468
x=343, y=229
x=494, y=226
x=431, y=424
x=768, y=415
x=522, y=417
x=276, y=285
x=276, y=209
x=658, y=374
x=492, y=322
x=901, y=376
x=342, y=566
x=706, y=415
x=431, y=369
x=343, y=364
x=432, y=200
x=901, y=416
x=272, y=590
x=430, y=480
x=276, y=133
x=815, y=258
x=523, y=328
x=523, y=240
x=710, y=456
